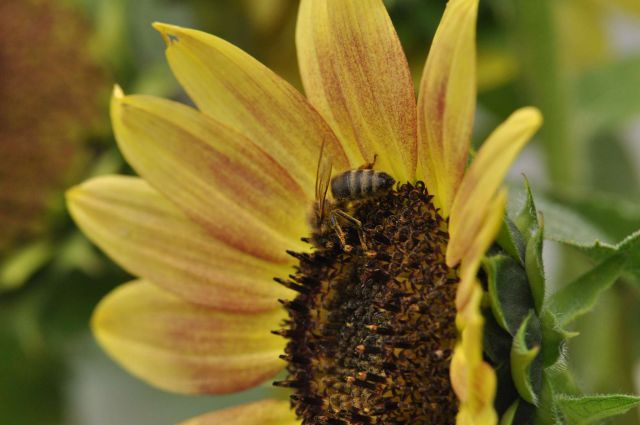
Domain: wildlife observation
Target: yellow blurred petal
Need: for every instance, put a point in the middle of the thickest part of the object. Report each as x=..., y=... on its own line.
x=266, y=17
x=214, y=174
x=355, y=73
x=446, y=103
x=151, y=238
x=483, y=413
x=583, y=34
x=496, y=67
x=237, y=90
x=630, y=6
x=484, y=178
x=183, y=347
x=478, y=247
x=264, y=412
x=473, y=380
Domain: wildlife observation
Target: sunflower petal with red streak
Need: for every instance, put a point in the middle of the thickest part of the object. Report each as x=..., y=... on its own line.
x=474, y=380
x=264, y=412
x=355, y=73
x=484, y=177
x=446, y=103
x=182, y=347
x=237, y=90
x=218, y=177
x=149, y=237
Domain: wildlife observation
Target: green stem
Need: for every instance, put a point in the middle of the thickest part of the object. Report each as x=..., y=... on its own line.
x=536, y=43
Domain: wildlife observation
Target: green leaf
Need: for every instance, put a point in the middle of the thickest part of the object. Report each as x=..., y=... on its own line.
x=509, y=292
x=523, y=354
x=600, y=251
x=607, y=96
x=612, y=167
x=587, y=409
x=579, y=297
x=615, y=214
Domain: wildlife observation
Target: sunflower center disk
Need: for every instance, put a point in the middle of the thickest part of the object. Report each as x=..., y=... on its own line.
x=372, y=332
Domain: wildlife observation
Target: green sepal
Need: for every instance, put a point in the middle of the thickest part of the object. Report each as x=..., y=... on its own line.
x=547, y=411
x=496, y=340
x=525, y=370
x=561, y=223
x=532, y=231
x=519, y=413
x=535, y=267
x=561, y=379
x=506, y=392
x=554, y=338
x=509, y=292
x=19, y=266
x=527, y=218
x=510, y=415
x=587, y=409
x=511, y=240
x=579, y=297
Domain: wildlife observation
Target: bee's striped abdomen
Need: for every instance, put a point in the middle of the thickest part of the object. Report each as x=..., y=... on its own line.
x=359, y=184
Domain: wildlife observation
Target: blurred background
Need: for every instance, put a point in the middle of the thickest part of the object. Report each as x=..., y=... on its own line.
x=578, y=60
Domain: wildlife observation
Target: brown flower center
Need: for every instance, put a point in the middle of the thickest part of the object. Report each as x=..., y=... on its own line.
x=371, y=333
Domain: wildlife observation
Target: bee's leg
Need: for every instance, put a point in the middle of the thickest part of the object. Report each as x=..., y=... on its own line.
x=369, y=165
x=357, y=223
x=333, y=222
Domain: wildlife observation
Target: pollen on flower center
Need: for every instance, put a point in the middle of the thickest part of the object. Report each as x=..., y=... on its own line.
x=371, y=333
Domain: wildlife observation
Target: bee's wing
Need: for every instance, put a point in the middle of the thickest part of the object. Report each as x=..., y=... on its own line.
x=323, y=177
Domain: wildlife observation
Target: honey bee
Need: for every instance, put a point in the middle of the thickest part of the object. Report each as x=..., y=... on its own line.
x=346, y=188
x=359, y=184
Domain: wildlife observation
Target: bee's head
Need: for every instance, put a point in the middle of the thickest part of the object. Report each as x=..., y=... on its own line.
x=385, y=181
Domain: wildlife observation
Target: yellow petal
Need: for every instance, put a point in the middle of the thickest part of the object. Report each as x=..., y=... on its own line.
x=484, y=178
x=219, y=178
x=483, y=413
x=264, y=412
x=473, y=380
x=446, y=103
x=151, y=238
x=355, y=73
x=478, y=247
x=178, y=346
x=229, y=85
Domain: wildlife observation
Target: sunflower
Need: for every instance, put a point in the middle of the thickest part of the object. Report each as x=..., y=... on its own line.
x=28, y=194
x=383, y=331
